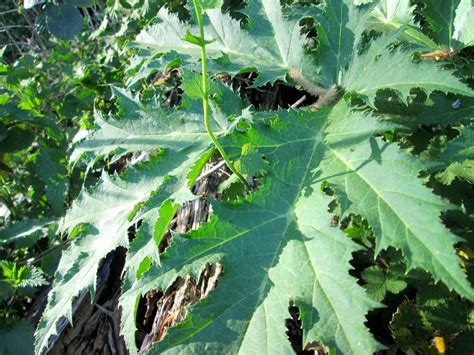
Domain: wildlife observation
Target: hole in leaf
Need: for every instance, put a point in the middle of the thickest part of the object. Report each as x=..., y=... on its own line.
x=160, y=310
x=132, y=230
x=295, y=334
x=97, y=319
x=270, y=96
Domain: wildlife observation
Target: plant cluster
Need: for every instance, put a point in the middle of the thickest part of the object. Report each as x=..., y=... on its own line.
x=354, y=212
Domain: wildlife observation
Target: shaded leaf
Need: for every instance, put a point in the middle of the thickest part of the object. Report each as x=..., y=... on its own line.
x=16, y=338
x=273, y=45
x=63, y=21
x=26, y=229
x=379, y=68
x=451, y=21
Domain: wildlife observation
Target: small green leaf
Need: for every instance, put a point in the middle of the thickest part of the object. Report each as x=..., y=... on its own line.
x=449, y=317
x=16, y=338
x=190, y=38
x=21, y=276
x=192, y=84
x=30, y=276
x=26, y=229
x=379, y=282
x=408, y=329
x=463, y=171
x=394, y=284
x=63, y=21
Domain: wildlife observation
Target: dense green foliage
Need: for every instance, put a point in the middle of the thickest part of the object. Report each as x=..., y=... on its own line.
x=358, y=200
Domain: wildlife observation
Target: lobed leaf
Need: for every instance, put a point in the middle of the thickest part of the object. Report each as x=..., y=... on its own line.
x=392, y=15
x=276, y=247
x=108, y=212
x=272, y=46
x=450, y=21
x=379, y=68
x=461, y=148
x=148, y=193
x=339, y=31
x=149, y=127
x=28, y=230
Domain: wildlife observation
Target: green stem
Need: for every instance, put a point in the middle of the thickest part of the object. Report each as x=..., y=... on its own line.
x=205, y=98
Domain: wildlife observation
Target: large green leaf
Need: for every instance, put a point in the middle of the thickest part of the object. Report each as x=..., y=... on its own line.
x=142, y=127
x=451, y=21
x=464, y=23
x=107, y=213
x=117, y=203
x=278, y=246
x=281, y=236
x=273, y=45
x=403, y=213
x=391, y=15
x=339, y=31
x=63, y=21
x=379, y=68
x=149, y=193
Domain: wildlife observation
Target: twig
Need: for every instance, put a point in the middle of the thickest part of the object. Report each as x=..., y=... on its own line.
x=329, y=96
x=306, y=84
x=110, y=339
x=225, y=172
x=10, y=11
x=41, y=256
x=104, y=310
x=212, y=170
x=23, y=44
x=34, y=32
x=12, y=39
x=299, y=102
x=16, y=26
x=325, y=95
